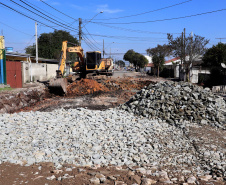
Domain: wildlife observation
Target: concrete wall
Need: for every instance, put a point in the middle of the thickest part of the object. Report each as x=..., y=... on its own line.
x=51, y=70
x=38, y=71
x=25, y=72
x=219, y=89
x=194, y=74
x=176, y=71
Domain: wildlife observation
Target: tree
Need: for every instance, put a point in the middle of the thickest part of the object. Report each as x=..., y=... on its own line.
x=50, y=44
x=215, y=56
x=30, y=50
x=188, y=49
x=138, y=60
x=120, y=63
x=129, y=56
x=143, y=61
x=158, y=55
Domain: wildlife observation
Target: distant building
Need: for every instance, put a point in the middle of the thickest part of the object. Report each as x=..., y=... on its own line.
x=195, y=71
x=150, y=64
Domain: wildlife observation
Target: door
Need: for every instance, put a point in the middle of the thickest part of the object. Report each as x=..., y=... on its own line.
x=14, y=74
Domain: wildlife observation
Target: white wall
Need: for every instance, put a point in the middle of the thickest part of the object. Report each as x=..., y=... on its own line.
x=194, y=74
x=38, y=71
x=51, y=70
x=25, y=72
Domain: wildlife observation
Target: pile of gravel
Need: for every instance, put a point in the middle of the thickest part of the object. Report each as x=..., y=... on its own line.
x=176, y=102
x=86, y=137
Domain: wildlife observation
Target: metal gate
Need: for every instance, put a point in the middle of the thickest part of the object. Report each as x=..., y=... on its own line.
x=14, y=74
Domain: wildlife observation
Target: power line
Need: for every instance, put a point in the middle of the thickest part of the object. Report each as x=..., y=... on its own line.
x=131, y=30
x=148, y=11
x=91, y=47
x=44, y=10
x=44, y=14
x=125, y=37
x=58, y=10
x=92, y=37
x=15, y=29
x=91, y=43
x=175, y=18
x=41, y=16
x=26, y=15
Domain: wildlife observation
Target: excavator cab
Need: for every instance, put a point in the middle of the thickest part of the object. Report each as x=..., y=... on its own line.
x=93, y=60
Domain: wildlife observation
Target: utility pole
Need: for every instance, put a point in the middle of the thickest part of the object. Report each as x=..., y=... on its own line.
x=103, y=48
x=184, y=46
x=36, y=35
x=80, y=32
x=191, y=56
x=220, y=39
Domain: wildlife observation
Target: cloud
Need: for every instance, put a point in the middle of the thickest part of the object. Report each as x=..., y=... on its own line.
x=77, y=7
x=55, y=3
x=106, y=9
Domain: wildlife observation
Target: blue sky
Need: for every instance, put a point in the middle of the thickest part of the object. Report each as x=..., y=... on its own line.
x=116, y=24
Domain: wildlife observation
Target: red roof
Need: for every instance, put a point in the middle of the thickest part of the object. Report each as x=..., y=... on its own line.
x=150, y=65
x=166, y=62
x=172, y=60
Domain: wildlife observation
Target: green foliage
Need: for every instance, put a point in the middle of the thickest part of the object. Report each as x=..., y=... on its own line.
x=138, y=60
x=50, y=44
x=30, y=50
x=216, y=77
x=6, y=89
x=215, y=56
x=143, y=61
x=158, y=61
x=120, y=63
x=129, y=56
x=158, y=55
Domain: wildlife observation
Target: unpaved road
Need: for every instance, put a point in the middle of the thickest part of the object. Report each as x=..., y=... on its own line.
x=47, y=173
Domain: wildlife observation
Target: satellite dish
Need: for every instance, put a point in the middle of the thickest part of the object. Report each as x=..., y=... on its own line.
x=223, y=65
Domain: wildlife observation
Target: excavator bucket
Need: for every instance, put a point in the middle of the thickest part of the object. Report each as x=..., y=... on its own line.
x=58, y=86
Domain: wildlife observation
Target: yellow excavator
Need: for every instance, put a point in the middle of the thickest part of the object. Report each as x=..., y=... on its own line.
x=92, y=64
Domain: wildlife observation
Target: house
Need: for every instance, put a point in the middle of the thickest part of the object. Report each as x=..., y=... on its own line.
x=150, y=64
x=195, y=71
x=22, y=68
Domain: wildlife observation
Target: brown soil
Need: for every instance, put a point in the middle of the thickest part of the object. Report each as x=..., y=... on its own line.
x=84, y=87
x=38, y=174
x=94, y=94
x=97, y=94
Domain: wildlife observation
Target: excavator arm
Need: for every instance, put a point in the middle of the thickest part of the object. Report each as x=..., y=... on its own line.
x=77, y=65
x=60, y=84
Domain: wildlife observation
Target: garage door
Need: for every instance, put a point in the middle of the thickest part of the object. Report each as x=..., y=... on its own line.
x=14, y=74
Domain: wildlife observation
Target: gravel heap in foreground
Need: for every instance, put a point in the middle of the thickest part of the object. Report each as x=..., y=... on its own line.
x=176, y=102
x=86, y=137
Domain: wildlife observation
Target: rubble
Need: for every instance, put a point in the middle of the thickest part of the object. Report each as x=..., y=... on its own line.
x=176, y=102
x=18, y=99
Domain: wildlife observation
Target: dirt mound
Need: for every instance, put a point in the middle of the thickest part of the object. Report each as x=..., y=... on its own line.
x=125, y=84
x=90, y=86
x=85, y=86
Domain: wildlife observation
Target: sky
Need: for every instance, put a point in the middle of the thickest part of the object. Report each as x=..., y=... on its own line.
x=123, y=25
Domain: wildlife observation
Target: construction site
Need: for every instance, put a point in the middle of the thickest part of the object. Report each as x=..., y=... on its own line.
x=120, y=129
x=120, y=98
